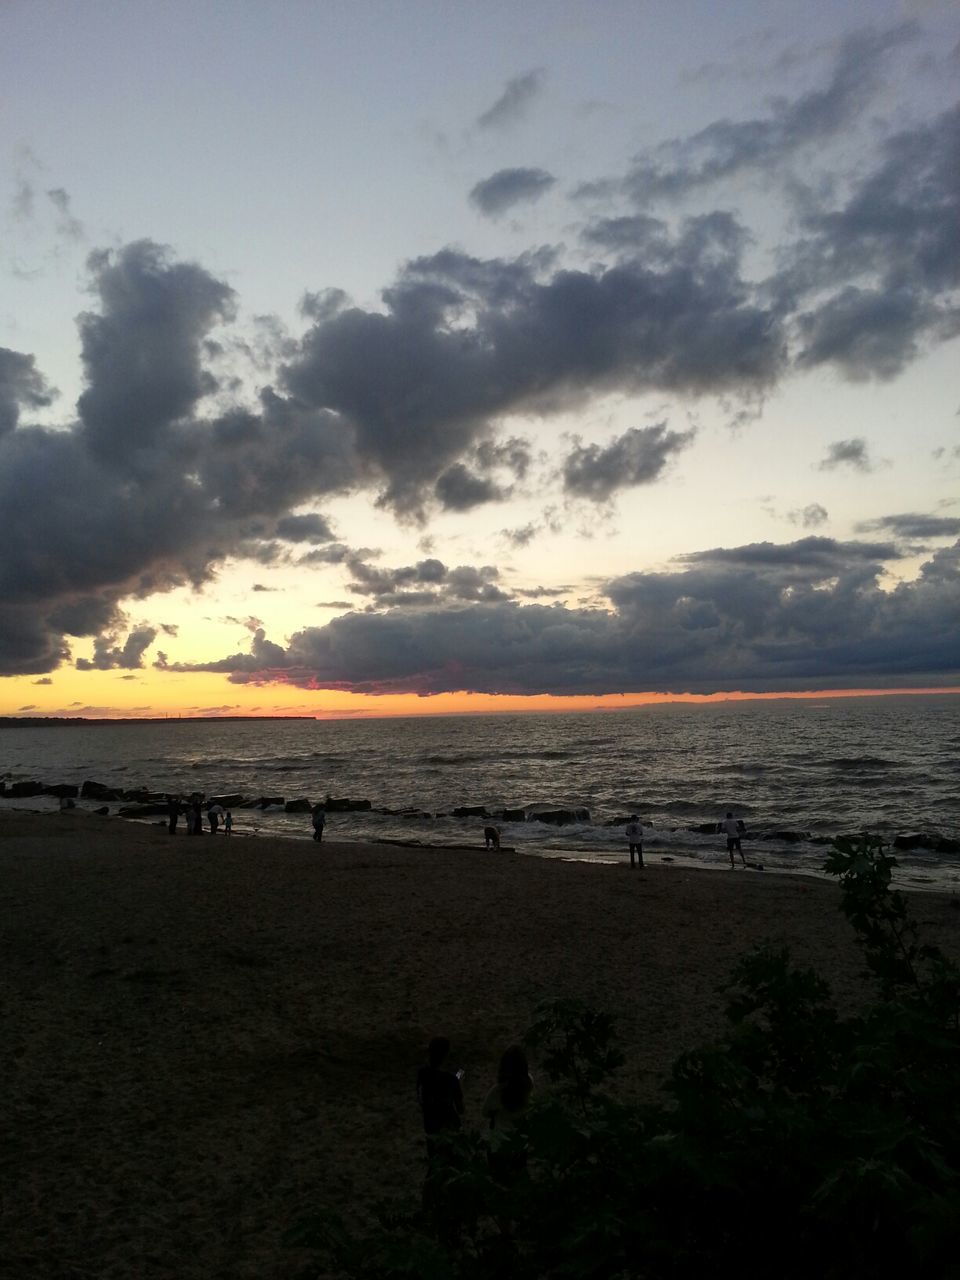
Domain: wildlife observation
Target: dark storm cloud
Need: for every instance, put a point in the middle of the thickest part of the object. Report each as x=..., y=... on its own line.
x=807, y=615
x=22, y=386
x=109, y=654
x=263, y=655
x=912, y=525
x=727, y=148
x=507, y=188
x=514, y=102
x=847, y=453
x=465, y=341
x=459, y=489
x=311, y=527
x=637, y=457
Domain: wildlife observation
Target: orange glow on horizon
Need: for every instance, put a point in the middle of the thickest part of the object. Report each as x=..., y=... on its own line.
x=210, y=697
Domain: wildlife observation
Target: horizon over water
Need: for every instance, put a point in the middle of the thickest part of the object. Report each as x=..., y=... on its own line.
x=888, y=764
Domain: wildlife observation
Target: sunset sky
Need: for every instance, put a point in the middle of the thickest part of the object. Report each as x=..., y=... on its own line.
x=373, y=358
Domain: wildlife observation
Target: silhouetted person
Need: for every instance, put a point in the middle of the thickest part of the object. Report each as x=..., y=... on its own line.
x=213, y=817
x=319, y=821
x=504, y=1107
x=173, y=813
x=491, y=837
x=733, y=828
x=228, y=823
x=634, y=834
x=438, y=1092
x=197, y=812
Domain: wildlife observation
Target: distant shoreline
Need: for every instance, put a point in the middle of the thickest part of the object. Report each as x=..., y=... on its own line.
x=79, y=722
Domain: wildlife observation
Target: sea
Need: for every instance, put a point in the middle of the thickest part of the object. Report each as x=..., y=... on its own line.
x=797, y=772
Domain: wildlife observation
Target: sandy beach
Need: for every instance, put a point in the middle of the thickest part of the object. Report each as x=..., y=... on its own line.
x=205, y=1038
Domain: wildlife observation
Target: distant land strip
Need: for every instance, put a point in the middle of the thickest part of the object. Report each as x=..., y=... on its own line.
x=66, y=722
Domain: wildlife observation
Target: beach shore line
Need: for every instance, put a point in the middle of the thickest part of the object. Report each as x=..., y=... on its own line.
x=205, y=1038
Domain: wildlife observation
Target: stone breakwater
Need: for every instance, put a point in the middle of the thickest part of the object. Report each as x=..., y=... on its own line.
x=142, y=803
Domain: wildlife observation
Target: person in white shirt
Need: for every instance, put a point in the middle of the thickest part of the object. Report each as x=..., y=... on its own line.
x=634, y=834
x=733, y=829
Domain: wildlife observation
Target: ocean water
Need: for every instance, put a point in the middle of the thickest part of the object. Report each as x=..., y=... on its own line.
x=889, y=765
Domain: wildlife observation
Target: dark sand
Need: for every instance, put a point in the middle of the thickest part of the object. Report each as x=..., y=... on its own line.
x=203, y=1039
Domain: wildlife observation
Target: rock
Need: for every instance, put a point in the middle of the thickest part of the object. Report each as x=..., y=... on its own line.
x=20, y=789
x=298, y=806
x=559, y=817
x=705, y=829
x=143, y=811
x=513, y=815
x=97, y=791
x=471, y=811
x=232, y=801
x=266, y=801
x=346, y=806
x=946, y=845
x=788, y=837
x=916, y=841
x=64, y=790
x=102, y=813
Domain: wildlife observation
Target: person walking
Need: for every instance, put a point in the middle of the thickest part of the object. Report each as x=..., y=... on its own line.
x=634, y=834
x=319, y=821
x=733, y=828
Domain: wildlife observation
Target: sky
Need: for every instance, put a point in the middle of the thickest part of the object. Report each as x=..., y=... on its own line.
x=370, y=358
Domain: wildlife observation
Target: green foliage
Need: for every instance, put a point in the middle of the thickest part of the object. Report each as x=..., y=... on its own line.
x=803, y=1144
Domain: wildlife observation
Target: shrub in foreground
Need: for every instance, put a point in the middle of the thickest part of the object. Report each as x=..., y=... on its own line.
x=803, y=1144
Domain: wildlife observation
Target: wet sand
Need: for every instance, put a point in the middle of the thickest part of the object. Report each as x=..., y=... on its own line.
x=204, y=1038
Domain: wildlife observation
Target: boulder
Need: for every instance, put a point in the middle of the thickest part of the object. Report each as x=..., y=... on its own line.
x=917, y=840
x=346, y=806
x=26, y=789
x=97, y=791
x=143, y=811
x=513, y=815
x=231, y=801
x=946, y=845
x=266, y=801
x=471, y=811
x=63, y=790
x=298, y=806
x=102, y=813
x=705, y=829
x=559, y=817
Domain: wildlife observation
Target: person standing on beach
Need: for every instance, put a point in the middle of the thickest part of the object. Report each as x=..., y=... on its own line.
x=634, y=834
x=439, y=1095
x=173, y=813
x=197, y=814
x=213, y=816
x=228, y=823
x=319, y=821
x=733, y=828
x=491, y=837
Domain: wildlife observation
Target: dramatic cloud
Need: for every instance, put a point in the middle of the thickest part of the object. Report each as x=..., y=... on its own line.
x=639, y=456
x=847, y=453
x=459, y=489
x=509, y=187
x=311, y=527
x=808, y=614
x=108, y=654
x=465, y=341
x=514, y=102
x=21, y=386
